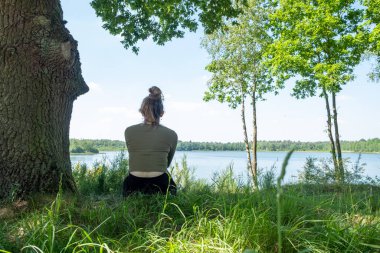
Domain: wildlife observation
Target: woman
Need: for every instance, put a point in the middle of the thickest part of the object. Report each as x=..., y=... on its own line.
x=151, y=148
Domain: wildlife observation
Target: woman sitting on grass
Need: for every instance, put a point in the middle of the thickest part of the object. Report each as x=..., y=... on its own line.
x=151, y=148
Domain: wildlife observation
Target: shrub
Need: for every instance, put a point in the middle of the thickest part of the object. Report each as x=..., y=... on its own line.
x=182, y=175
x=93, y=150
x=77, y=150
x=267, y=178
x=322, y=172
x=103, y=177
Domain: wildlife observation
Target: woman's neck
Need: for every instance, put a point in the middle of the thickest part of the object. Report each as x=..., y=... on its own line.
x=147, y=122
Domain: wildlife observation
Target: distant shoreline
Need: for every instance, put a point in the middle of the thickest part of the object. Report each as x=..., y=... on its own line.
x=261, y=151
x=86, y=153
x=361, y=146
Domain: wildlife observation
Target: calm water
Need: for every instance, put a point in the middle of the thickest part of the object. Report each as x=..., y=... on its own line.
x=206, y=163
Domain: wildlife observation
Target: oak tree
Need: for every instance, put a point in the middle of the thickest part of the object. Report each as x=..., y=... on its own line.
x=40, y=77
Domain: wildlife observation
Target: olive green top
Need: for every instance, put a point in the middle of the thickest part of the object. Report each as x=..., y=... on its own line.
x=151, y=148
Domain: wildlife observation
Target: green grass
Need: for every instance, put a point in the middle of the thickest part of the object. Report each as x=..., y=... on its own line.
x=224, y=216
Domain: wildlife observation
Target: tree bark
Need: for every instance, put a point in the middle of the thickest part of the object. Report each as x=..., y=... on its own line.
x=40, y=77
x=246, y=142
x=254, y=139
x=337, y=139
x=329, y=133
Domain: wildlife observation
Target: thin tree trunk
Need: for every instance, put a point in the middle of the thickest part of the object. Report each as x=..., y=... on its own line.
x=337, y=139
x=254, y=139
x=329, y=133
x=40, y=77
x=246, y=142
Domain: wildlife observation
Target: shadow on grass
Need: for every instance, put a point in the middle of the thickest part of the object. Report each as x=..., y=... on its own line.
x=315, y=218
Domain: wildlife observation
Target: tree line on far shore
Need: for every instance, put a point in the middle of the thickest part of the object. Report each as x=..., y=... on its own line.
x=361, y=146
x=94, y=146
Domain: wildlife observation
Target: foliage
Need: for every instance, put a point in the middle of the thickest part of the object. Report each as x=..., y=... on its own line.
x=267, y=178
x=314, y=173
x=279, y=199
x=77, y=150
x=82, y=150
x=103, y=177
x=162, y=20
x=225, y=216
x=225, y=181
x=237, y=54
x=318, y=41
x=182, y=174
x=321, y=172
x=361, y=146
x=93, y=150
x=103, y=144
x=238, y=69
x=373, y=26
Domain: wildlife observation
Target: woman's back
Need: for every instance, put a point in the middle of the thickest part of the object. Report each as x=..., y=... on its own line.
x=150, y=147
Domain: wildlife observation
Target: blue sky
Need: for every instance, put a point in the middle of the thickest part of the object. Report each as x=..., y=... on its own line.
x=119, y=80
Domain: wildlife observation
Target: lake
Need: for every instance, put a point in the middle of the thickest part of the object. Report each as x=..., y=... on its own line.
x=206, y=163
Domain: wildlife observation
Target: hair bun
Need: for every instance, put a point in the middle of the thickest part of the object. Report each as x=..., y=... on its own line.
x=155, y=92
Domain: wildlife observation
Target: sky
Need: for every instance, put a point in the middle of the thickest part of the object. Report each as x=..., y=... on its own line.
x=119, y=80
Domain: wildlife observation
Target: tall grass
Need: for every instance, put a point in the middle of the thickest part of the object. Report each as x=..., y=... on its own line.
x=222, y=216
x=104, y=177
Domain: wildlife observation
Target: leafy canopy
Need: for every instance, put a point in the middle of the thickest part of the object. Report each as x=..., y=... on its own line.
x=237, y=54
x=318, y=41
x=373, y=16
x=136, y=20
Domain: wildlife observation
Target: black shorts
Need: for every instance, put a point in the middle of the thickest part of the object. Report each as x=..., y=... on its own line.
x=151, y=185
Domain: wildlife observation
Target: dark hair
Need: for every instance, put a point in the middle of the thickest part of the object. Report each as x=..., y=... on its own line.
x=152, y=107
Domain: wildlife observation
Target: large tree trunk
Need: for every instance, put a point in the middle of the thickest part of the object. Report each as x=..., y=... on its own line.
x=40, y=77
x=337, y=139
x=329, y=133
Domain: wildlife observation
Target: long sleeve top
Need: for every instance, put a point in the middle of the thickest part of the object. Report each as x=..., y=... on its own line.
x=150, y=148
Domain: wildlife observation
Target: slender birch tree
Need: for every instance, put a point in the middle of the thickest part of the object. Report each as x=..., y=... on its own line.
x=238, y=70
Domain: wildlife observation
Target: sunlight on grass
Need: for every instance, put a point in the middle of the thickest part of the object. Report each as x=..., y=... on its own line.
x=224, y=216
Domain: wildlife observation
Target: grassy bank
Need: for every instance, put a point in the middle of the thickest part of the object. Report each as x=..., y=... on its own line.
x=225, y=216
